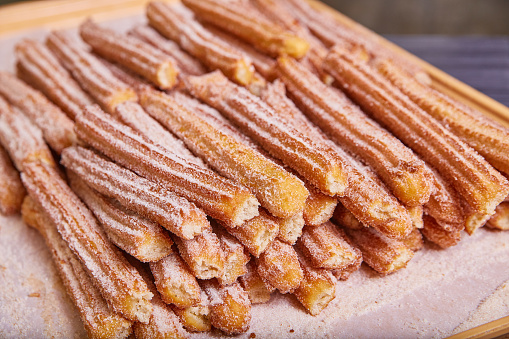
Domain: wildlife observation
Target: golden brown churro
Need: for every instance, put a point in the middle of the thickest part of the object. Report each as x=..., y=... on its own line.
x=438, y=235
x=140, y=237
x=414, y=240
x=254, y=29
x=318, y=208
x=196, y=318
x=230, y=308
x=277, y=190
x=253, y=284
x=216, y=195
x=176, y=284
x=119, y=282
x=99, y=320
x=186, y=63
x=175, y=22
x=136, y=55
x=279, y=267
x=349, y=127
x=92, y=75
x=56, y=127
x=21, y=138
x=12, y=191
x=476, y=180
x=259, y=121
x=147, y=198
x=500, y=220
x=38, y=67
x=486, y=136
x=290, y=229
x=235, y=256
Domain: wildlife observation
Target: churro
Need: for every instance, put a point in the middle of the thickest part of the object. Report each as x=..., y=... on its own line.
x=439, y=235
x=217, y=196
x=203, y=254
x=12, y=191
x=175, y=22
x=257, y=233
x=500, y=220
x=132, y=80
x=349, y=127
x=147, y=198
x=279, y=267
x=486, y=136
x=238, y=20
x=317, y=288
x=186, y=63
x=133, y=115
x=382, y=254
x=346, y=272
x=140, y=237
x=99, y=320
x=342, y=216
x=414, y=240
x=325, y=246
x=21, y=138
x=277, y=190
x=259, y=121
x=196, y=318
x=37, y=66
x=56, y=127
x=134, y=54
x=176, y=284
x=92, y=75
x=290, y=229
x=475, y=180
x=254, y=285
x=318, y=207
x=230, y=308
x=235, y=256
x=119, y=283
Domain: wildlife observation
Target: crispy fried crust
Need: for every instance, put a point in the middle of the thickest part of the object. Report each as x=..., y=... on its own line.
x=277, y=190
x=12, y=191
x=175, y=22
x=119, y=283
x=140, y=237
x=500, y=220
x=236, y=256
x=38, y=67
x=349, y=127
x=475, y=179
x=138, y=56
x=99, y=320
x=439, y=235
x=254, y=285
x=414, y=240
x=147, y=198
x=217, y=196
x=92, y=75
x=56, y=127
x=196, y=318
x=259, y=121
x=247, y=25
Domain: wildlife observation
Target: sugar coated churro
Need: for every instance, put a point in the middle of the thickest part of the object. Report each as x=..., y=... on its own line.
x=12, y=191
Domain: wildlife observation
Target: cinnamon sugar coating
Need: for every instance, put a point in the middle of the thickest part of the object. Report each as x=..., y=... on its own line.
x=143, y=196
x=38, y=67
x=196, y=318
x=99, y=320
x=138, y=56
x=236, y=256
x=119, y=282
x=176, y=22
x=500, y=220
x=239, y=20
x=56, y=127
x=217, y=196
x=92, y=75
x=138, y=236
x=277, y=190
x=21, y=138
x=439, y=235
x=254, y=285
x=476, y=180
x=12, y=191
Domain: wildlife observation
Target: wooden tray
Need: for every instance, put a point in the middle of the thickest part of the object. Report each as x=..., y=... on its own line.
x=16, y=18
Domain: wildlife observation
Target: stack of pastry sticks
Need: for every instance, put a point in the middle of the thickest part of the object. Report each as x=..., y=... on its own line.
x=229, y=149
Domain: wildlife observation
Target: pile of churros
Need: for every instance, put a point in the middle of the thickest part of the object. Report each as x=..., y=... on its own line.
x=183, y=171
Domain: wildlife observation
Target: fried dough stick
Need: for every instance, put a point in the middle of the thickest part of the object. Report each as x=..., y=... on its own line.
x=476, y=180
x=92, y=75
x=254, y=29
x=398, y=167
x=140, y=237
x=217, y=196
x=119, y=283
x=38, y=67
x=278, y=191
x=12, y=191
x=99, y=320
x=500, y=220
x=147, y=198
x=137, y=56
x=175, y=22
x=56, y=127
